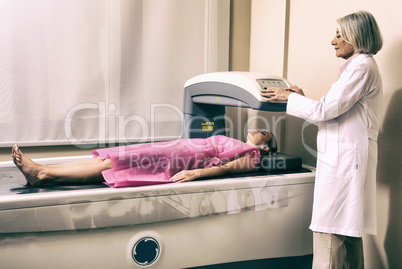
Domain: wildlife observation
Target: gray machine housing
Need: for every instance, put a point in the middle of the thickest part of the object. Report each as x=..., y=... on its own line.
x=206, y=96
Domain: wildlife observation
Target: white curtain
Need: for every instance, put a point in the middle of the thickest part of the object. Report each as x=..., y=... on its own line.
x=103, y=71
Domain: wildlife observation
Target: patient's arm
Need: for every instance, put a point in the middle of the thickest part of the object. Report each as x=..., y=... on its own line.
x=241, y=165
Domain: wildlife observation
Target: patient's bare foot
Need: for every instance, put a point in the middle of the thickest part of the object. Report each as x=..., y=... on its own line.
x=31, y=170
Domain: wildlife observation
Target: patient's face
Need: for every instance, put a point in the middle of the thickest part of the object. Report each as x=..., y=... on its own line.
x=259, y=137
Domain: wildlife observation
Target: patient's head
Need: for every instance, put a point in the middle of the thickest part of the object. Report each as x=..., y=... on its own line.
x=263, y=140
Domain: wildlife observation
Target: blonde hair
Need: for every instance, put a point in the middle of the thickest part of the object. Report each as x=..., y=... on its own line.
x=361, y=30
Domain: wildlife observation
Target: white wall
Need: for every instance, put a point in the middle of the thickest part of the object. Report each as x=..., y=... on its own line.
x=312, y=65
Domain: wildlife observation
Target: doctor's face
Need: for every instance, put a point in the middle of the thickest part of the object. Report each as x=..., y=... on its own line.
x=342, y=48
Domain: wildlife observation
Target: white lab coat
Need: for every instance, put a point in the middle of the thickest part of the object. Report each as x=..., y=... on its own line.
x=348, y=124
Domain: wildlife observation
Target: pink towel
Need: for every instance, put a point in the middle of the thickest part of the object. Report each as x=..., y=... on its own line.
x=156, y=163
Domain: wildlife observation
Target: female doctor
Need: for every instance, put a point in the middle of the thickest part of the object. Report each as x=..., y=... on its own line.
x=348, y=123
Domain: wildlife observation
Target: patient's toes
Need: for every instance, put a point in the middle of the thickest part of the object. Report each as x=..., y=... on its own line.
x=29, y=168
x=16, y=154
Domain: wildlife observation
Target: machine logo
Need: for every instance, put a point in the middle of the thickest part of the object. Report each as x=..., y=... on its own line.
x=146, y=251
x=207, y=126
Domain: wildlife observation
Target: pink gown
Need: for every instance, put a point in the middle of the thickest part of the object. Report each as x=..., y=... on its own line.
x=156, y=163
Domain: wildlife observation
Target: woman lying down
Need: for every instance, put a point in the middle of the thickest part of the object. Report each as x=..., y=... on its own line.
x=153, y=163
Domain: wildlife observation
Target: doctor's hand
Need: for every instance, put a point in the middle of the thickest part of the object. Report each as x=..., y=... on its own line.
x=281, y=94
x=185, y=175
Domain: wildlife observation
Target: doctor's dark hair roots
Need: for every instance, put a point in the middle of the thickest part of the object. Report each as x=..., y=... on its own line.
x=361, y=30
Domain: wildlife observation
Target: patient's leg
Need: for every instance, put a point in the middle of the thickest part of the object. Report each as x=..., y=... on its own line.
x=77, y=172
x=80, y=163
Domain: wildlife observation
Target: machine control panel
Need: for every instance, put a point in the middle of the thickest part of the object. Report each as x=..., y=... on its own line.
x=267, y=83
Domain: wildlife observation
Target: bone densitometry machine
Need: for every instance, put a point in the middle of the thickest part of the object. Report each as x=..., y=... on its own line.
x=261, y=216
x=207, y=95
